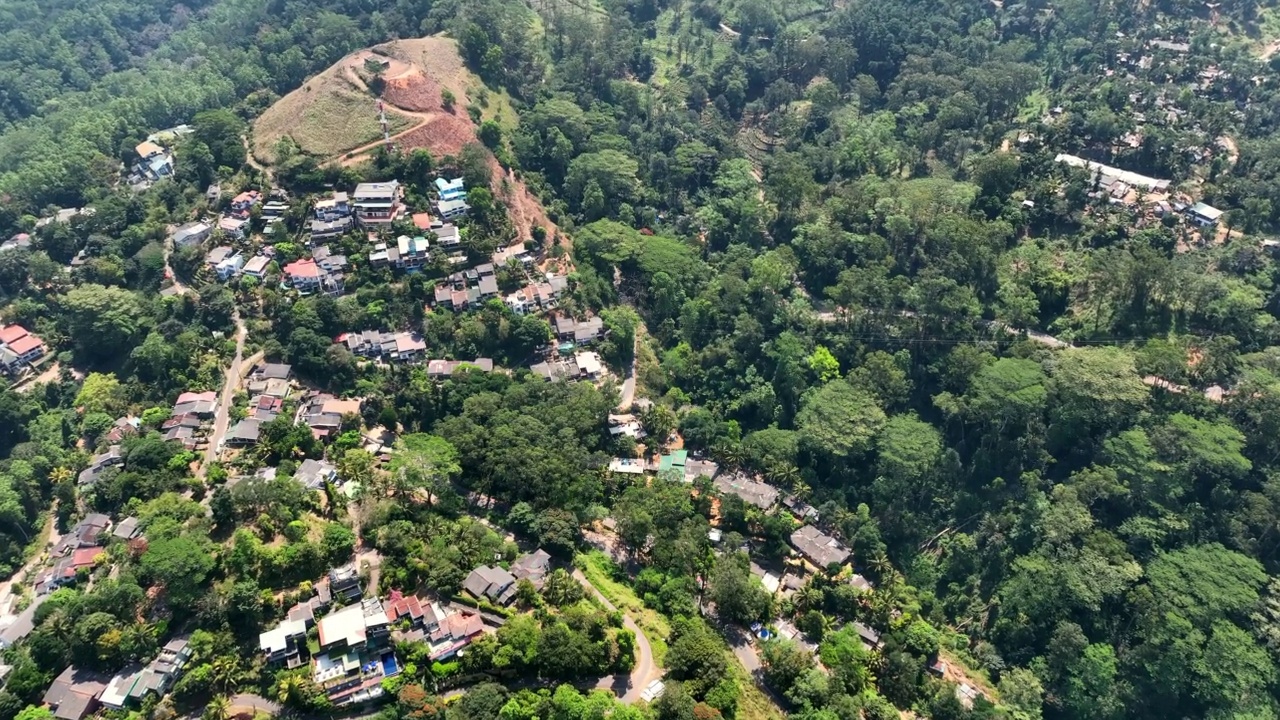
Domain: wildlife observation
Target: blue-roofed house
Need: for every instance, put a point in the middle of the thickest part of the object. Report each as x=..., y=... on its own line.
x=453, y=189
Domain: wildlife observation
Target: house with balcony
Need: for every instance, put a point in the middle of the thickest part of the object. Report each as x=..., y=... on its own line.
x=377, y=203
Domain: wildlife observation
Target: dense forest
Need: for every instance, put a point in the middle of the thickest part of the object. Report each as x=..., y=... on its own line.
x=840, y=246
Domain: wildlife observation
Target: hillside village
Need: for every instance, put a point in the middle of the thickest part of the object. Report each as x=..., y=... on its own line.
x=730, y=361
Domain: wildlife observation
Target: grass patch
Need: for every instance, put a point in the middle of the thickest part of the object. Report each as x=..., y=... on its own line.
x=600, y=571
x=325, y=117
x=1035, y=105
x=753, y=704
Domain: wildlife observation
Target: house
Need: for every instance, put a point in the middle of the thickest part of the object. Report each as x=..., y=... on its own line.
x=154, y=162
x=18, y=348
x=267, y=407
x=127, y=529
x=579, y=332
x=132, y=685
x=869, y=637
x=242, y=203
x=218, y=254
x=438, y=369
x=488, y=287
x=74, y=694
x=244, y=433
x=590, y=366
x=323, y=413
x=313, y=474
x=86, y=534
x=408, y=347
x=271, y=371
x=411, y=253
x=257, y=267
x=325, y=229
x=344, y=582
x=122, y=428
x=580, y=366
x=354, y=627
x=454, y=189
x=447, y=235
x=376, y=203
x=113, y=457
x=233, y=227
x=336, y=207
x=229, y=266
x=454, y=633
x=21, y=241
x=199, y=404
x=419, y=614
x=752, y=492
x=819, y=548
x=451, y=209
x=213, y=193
x=1204, y=215
x=328, y=260
x=489, y=582
x=533, y=567
x=66, y=569
x=625, y=425
x=192, y=233
x=800, y=510
x=274, y=210
x=282, y=643
x=322, y=272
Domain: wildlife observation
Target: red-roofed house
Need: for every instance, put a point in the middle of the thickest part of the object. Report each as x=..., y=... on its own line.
x=241, y=203
x=422, y=221
x=18, y=348
x=303, y=275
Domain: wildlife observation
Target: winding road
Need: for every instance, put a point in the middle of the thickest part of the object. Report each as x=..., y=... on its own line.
x=627, y=687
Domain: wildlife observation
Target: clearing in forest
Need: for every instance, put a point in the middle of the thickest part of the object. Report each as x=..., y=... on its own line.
x=330, y=114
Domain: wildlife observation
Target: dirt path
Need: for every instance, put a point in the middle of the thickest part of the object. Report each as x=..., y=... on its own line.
x=253, y=163
x=351, y=157
x=222, y=417
x=1228, y=143
x=1269, y=49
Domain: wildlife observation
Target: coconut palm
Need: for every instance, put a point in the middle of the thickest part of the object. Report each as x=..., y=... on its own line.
x=219, y=708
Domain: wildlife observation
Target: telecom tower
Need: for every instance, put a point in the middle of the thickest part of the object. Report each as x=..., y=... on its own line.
x=382, y=117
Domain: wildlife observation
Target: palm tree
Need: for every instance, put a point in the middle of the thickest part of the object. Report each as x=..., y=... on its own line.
x=879, y=563
x=59, y=475
x=290, y=690
x=219, y=708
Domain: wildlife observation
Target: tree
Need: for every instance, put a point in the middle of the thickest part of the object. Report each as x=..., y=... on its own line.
x=102, y=322
x=840, y=420
x=421, y=467
x=100, y=393
x=1022, y=691
x=1094, y=389
x=221, y=130
x=737, y=595
x=180, y=564
x=785, y=663
x=696, y=656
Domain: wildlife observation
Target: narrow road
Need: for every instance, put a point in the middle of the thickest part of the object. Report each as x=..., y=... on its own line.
x=26, y=573
x=168, y=269
x=629, y=384
x=645, y=671
x=222, y=417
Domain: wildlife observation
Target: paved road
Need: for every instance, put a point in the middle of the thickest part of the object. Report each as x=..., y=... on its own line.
x=250, y=704
x=26, y=574
x=222, y=418
x=629, y=385
x=627, y=688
